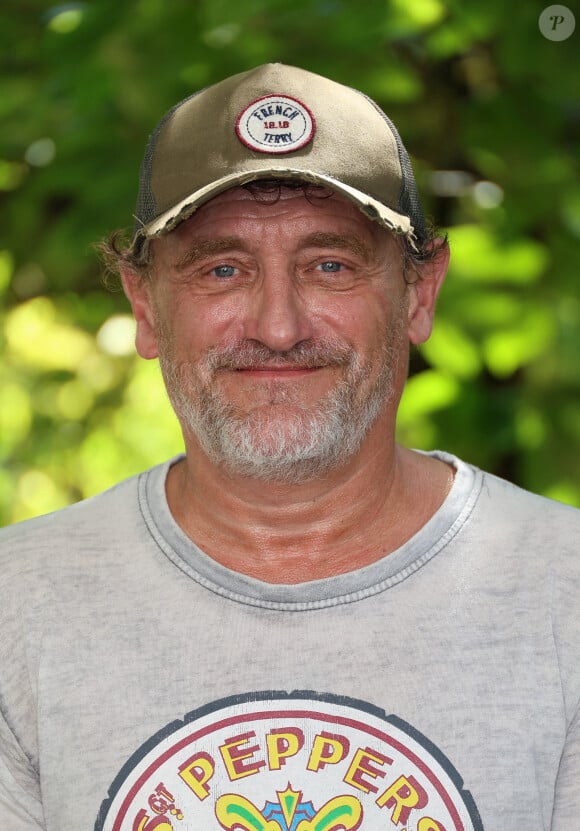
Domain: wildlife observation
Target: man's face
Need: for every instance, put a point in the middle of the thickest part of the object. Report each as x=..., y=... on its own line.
x=282, y=328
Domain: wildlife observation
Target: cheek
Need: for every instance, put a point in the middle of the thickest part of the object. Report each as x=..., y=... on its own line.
x=189, y=324
x=352, y=313
x=222, y=319
x=372, y=320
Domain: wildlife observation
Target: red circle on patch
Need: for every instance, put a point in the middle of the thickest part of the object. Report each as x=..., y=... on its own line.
x=275, y=124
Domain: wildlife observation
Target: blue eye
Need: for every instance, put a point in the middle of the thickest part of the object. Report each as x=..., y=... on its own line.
x=223, y=271
x=330, y=266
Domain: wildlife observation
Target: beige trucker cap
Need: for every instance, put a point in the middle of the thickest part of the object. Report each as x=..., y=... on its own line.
x=276, y=121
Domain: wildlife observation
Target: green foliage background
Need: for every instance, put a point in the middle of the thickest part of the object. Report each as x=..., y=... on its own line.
x=490, y=111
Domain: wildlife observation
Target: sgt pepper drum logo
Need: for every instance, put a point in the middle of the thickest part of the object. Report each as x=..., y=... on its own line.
x=273, y=761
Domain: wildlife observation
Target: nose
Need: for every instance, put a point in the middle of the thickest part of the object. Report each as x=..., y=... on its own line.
x=279, y=317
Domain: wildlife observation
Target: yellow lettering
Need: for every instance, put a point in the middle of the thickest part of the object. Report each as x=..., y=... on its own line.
x=402, y=796
x=143, y=822
x=362, y=763
x=234, y=755
x=282, y=744
x=197, y=772
x=327, y=749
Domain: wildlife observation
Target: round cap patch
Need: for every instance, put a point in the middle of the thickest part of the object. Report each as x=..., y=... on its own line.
x=275, y=124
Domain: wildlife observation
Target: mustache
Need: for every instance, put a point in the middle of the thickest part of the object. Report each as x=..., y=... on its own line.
x=249, y=354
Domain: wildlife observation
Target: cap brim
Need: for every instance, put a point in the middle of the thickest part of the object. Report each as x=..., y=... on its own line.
x=373, y=209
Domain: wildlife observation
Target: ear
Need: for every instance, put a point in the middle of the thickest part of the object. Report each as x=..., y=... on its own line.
x=138, y=291
x=423, y=293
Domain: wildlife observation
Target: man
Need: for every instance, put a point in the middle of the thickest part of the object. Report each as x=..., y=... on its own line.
x=298, y=624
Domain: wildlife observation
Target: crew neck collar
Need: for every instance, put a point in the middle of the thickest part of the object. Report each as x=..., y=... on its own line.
x=351, y=586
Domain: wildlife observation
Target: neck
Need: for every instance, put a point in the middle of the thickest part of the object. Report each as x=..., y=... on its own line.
x=283, y=533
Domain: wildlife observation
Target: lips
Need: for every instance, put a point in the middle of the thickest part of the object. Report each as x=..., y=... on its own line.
x=284, y=368
x=277, y=371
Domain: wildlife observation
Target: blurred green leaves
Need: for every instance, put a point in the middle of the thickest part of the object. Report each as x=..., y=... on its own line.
x=76, y=412
x=490, y=112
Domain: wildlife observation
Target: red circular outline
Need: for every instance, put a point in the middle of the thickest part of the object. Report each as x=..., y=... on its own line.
x=306, y=141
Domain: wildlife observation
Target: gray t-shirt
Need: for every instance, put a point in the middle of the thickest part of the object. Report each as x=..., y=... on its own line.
x=145, y=687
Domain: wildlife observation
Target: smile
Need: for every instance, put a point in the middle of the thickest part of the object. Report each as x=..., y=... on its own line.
x=284, y=371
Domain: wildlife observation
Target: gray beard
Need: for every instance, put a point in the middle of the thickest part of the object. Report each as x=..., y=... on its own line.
x=298, y=443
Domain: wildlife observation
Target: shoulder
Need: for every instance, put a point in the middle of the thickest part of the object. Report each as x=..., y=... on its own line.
x=521, y=552
x=517, y=533
x=532, y=546
x=61, y=542
x=536, y=518
x=510, y=509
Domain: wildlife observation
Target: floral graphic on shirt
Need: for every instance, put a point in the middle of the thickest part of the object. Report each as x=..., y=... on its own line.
x=343, y=813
